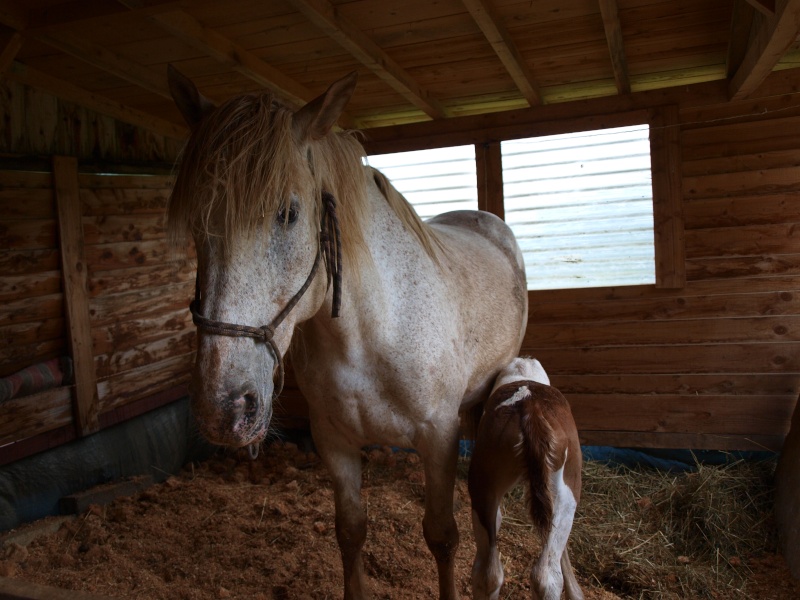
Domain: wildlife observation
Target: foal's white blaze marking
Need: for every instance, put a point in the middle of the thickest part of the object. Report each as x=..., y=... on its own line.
x=547, y=580
x=523, y=393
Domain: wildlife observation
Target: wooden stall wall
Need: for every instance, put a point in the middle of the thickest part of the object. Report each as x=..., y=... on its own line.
x=85, y=271
x=715, y=364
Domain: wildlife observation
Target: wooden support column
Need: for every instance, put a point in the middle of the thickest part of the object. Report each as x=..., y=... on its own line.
x=489, y=165
x=76, y=299
x=668, y=227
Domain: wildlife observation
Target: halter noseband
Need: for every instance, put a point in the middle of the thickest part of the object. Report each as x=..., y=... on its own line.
x=329, y=248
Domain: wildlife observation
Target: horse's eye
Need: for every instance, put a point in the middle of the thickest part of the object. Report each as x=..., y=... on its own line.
x=288, y=216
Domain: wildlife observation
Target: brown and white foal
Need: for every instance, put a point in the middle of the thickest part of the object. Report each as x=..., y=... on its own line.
x=526, y=430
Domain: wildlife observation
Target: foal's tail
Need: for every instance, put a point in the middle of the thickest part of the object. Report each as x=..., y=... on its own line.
x=539, y=454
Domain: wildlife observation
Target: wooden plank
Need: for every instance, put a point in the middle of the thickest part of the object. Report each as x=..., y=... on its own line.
x=145, y=353
x=740, y=139
x=126, y=334
x=668, y=228
x=22, y=203
x=18, y=262
x=741, y=23
x=129, y=279
x=729, y=267
x=25, y=417
x=74, y=271
x=736, y=164
x=141, y=303
x=745, y=240
x=742, y=210
x=123, y=200
x=144, y=382
x=724, y=415
x=786, y=385
x=137, y=407
x=27, y=310
x=352, y=39
x=761, y=181
x=119, y=255
x=582, y=334
x=20, y=334
x=489, y=167
x=671, y=359
x=28, y=234
x=21, y=356
x=695, y=441
x=774, y=34
x=505, y=48
x=616, y=45
x=664, y=308
x=124, y=228
x=17, y=589
x=17, y=287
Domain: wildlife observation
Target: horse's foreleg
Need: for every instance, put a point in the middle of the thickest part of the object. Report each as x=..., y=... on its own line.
x=344, y=465
x=573, y=589
x=438, y=525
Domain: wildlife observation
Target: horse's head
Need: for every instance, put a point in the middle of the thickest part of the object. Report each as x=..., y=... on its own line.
x=249, y=191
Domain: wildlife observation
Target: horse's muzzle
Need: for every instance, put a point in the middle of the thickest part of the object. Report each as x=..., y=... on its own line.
x=239, y=419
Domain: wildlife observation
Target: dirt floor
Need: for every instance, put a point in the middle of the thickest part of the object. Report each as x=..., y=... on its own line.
x=233, y=528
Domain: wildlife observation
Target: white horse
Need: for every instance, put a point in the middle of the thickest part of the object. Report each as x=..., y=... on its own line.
x=428, y=313
x=527, y=431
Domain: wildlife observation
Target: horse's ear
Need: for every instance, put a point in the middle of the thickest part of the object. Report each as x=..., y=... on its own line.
x=316, y=118
x=192, y=104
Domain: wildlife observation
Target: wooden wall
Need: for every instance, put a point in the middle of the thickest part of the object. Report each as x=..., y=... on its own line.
x=85, y=270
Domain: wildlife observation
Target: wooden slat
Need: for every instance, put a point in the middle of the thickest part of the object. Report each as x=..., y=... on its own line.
x=750, y=240
x=28, y=234
x=31, y=309
x=340, y=29
x=736, y=164
x=724, y=415
x=695, y=441
x=124, y=228
x=679, y=358
x=145, y=353
x=668, y=228
x=741, y=22
x=773, y=36
x=28, y=261
x=74, y=271
x=127, y=334
x=763, y=181
x=21, y=356
x=505, y=48
x=141, y=302
x=616, y=45
x=125, y=183
x=25, y=417
x=124, y=201
x=742, y=266
x=103, y=257
x=742, y=210
x=128, y=279
x=21, y=203
x=144, y=382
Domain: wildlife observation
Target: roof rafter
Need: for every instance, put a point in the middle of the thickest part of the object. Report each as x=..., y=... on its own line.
x=327, y=18
x=109, y=61
x=741, y=23
x=766, y=7
x=500, y=40
x=616, y=47
x=772, y=37
x=9, y=46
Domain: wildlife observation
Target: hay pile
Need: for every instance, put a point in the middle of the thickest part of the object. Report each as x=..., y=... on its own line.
x=648, y=534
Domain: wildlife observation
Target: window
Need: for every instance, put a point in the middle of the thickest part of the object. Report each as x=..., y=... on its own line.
x=581, y=207
x=433, y=181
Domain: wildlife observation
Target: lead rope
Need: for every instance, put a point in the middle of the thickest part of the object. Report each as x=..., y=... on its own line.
x=329, y=248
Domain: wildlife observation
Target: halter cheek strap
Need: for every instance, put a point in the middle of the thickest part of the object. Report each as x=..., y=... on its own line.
x=329, y=248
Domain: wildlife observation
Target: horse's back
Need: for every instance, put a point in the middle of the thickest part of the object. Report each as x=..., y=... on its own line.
x=484, y=224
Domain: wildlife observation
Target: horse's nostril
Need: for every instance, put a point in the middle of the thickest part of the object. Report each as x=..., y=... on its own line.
x=250, y=404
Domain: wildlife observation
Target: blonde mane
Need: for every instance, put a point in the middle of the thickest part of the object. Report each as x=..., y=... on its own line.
x=242, y=165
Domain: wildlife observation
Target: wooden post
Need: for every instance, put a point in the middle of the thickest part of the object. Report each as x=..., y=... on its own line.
x=489, y=165
x=668, y=228
x=76, y=299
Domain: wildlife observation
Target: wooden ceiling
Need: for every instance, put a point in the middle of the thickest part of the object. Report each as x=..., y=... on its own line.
x=417, y=59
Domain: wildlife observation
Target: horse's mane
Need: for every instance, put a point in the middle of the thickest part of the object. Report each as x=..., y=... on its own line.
x=242, y=163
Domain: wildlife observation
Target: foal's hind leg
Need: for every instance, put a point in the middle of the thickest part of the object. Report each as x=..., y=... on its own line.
x=494, y=468
x=440, y=456
x=547, y=577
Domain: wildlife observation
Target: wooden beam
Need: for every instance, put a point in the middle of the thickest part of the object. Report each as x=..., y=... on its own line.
x=616, y=46
x=765, y=7
x=739, y=38
x=10, y=45
x=76, y=297
x=109, y=61
x=72, y=93
x=500, y=40
x=668, y=226
x=489, y=165
x=190, y=31
x=772, y=38
x=327, y=18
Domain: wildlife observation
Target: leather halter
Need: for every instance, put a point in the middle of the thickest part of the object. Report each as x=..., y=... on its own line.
x=329, y=249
